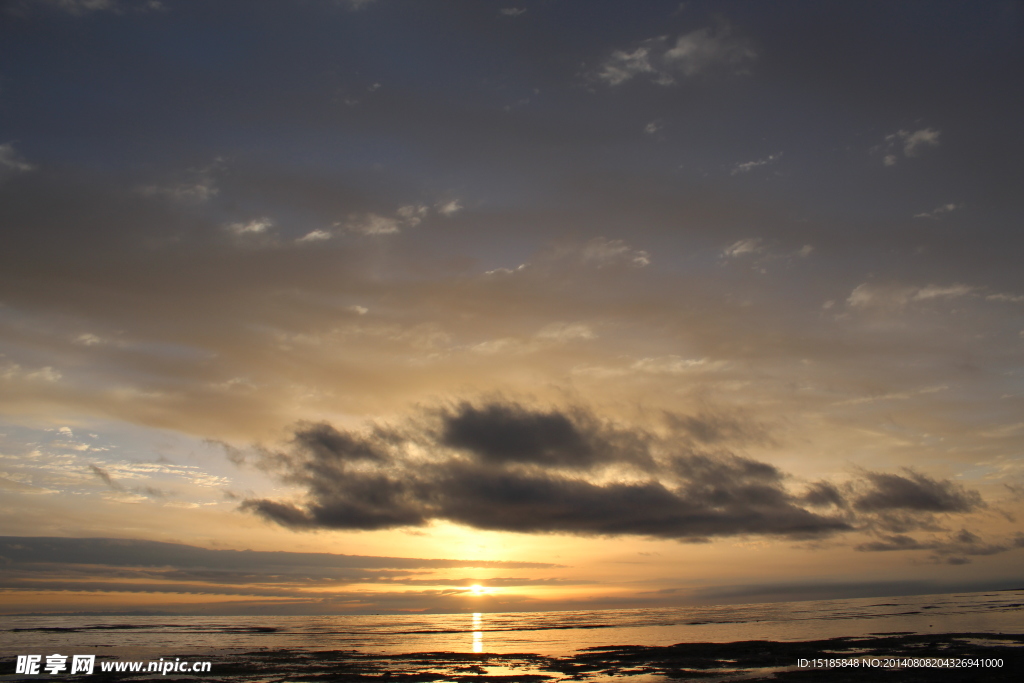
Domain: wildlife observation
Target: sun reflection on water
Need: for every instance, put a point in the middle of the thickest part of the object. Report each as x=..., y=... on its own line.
x=478, y=634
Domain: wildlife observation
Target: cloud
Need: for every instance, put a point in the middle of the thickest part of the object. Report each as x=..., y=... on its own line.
x=449, y=208
x=748, y=166
x=676, y=365
x=314, y=236
x=914, y=142
x=939, y=211
x=601, y=251
x=916, y=492
x=80, y=7
x=956, y=548
x=16, y=372
x=911, y=144
x=507, y=433
x=741, y=247
x=117, y=552
x=373, y=224
x=720, y=427
x=503, y=466
x=199, y=186
x=413, y=214
x=662, y=62
x=825, y=494
x=1009, y=298
x=512, y=11
x=141, y=492
x=105, y=476
x=408, y=216
x=256, y=226
x=563, y=332
x=132, y=566
x=894, y=296
x=11, y=162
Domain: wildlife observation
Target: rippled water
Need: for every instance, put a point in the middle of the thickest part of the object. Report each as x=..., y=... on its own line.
x=547, y=633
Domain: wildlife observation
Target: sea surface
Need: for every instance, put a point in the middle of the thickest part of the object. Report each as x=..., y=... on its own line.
x=521, y=645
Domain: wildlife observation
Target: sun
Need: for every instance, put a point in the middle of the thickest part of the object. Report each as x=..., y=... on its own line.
x=477, y=589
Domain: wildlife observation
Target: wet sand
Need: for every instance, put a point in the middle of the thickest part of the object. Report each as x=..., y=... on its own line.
x=746, y=661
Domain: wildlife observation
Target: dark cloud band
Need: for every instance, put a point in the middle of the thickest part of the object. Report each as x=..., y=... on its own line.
x=502, y=466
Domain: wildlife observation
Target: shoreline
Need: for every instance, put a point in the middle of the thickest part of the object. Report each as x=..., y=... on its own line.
x=752, y=660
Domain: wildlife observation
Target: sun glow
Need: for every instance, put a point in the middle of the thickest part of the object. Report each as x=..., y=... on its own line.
x=477, y=589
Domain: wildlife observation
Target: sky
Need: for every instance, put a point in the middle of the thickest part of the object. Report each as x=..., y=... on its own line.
x=348, y=306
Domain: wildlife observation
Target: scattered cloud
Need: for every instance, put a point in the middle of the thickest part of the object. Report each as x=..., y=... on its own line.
x=449, y=208
x=412, y=214
x=761, y=254
x=910, y=144
x=662, y=61
x=512, y=11
x=355, y=5
x=373, y=224
x=408, y=216
x=601, y=251
x=676, y=365
x=894, y=296
x=565, y=332
x=138, y=493
x=11, y=161
x=742, y=247
x=314, y=236
x=939, y=211
x=748, y=166
x=16, y=372
x=200, y=185
x=1009, y=298
x=955, y=548
x=81, y=7
x=256, y=226
x=914, y=491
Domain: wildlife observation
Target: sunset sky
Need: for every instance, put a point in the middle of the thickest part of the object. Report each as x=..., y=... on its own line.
x=585, y=303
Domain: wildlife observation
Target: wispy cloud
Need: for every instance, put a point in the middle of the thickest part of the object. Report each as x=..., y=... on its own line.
x=199, y=185
x=663, y=61
x=910, y=144
x=895, y=296
x=748, y=166
x=11, y=161
x=938, y=211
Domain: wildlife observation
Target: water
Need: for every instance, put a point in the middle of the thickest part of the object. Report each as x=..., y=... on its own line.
x=553, y=634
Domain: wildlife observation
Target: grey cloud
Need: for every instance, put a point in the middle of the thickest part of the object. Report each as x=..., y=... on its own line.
x=955, y=548
x=12, y=162
x=719, y=427
x=823, y=494
x=84, y=7
x=895, y=542
x=916, y=492
x=515, y=480
x=501, y=465
x=504, y=433
x=324, y=441
x=662, y=60
x=105, y=476
x=109, y=481
x=128, y=565
x=138, y=553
